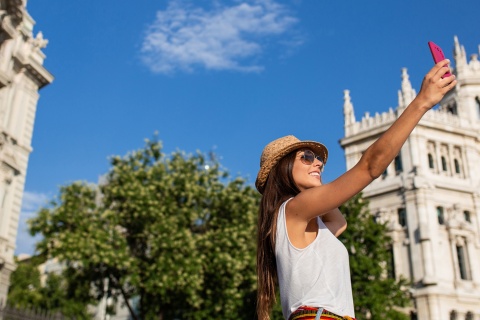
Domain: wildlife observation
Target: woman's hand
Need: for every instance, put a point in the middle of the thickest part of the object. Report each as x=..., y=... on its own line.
x=434, y=87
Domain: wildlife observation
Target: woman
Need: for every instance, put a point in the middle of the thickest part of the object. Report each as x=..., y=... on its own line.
x=299, y=220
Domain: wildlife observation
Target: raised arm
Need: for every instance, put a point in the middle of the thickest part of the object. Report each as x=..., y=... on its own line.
x=319, y=200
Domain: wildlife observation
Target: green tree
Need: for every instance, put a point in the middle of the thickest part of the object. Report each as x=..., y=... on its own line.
x=65, y=294
x=24, y=290
x=55, y=295
x=175, y=233
x=375, y=294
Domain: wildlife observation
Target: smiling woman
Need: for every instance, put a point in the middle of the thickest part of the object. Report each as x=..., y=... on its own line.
x=307, y=171
x=299, y=220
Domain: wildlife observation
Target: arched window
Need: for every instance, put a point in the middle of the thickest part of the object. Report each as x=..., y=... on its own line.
x=385, y=174
x=402, y=217
x=391, y=264
x=444, y=164
x=431, y=164
x=463, y=261
x=469, y=315
x=453, y=315
x=440, y=215
x=452, y=108
x=398, y=164
x=457, y=155
x=457, y=166
x=477, y=100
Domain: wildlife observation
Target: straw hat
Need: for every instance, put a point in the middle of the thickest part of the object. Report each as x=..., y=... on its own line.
x=279, y=148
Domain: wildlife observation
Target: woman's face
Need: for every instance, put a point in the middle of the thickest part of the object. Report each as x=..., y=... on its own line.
x=307, y=170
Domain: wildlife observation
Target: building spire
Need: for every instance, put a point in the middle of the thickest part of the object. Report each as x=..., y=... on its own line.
x=460, y=57
x=348, y=113
x=407, y=94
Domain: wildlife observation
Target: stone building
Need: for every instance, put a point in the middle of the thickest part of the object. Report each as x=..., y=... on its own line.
x=430, y=194
x=21, y=76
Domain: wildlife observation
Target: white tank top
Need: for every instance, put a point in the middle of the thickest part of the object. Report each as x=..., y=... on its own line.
x=316, y=276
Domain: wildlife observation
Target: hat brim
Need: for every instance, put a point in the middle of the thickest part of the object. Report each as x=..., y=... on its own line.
x=264, y=171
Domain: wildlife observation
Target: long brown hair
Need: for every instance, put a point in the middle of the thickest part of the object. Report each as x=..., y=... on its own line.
x=278, y=188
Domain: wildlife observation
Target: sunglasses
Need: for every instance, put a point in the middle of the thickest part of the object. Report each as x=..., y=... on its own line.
x=308, y=157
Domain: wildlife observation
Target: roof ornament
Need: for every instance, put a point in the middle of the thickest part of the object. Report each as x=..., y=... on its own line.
x=348, y=113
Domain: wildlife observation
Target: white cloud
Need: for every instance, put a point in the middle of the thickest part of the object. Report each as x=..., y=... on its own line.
x=184, y=36
x=32, y=202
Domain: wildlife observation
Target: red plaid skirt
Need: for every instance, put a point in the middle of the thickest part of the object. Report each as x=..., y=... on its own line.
x=309, y=313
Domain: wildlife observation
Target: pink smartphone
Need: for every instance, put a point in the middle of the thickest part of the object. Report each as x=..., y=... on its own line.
x=437, y=55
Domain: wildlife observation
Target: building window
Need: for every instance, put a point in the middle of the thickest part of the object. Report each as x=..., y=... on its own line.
x=384, y=174
x=398, y=164
x=444, y=164
x=440, y=215
x=466, y=216
x=453, y=315
x=469, y=315
x=463, y=264
x=431, y=152
x=402, y=217
x=391, y=264
x=458, y=160
x=477, y=100
x=457, y=166
x=431, y=164
x=452, y=108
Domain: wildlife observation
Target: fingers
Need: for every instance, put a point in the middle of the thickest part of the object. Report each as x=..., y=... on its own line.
x=447, y=80
x=442, y=68
x=435, y=84
x=448, y=83
x=440, y=74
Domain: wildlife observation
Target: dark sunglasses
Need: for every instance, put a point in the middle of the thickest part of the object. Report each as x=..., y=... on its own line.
x=308, y=157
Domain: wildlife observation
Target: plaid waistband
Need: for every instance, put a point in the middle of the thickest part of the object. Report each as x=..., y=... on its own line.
x=307, y=313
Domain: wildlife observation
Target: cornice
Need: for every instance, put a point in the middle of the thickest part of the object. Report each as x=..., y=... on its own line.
x=35, y=70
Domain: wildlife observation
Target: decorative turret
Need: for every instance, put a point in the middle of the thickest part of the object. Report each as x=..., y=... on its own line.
x=348, y=113
x=466, y=71
x=460, y=57
x=407, y=93
x=466, y=95
x=348, y=108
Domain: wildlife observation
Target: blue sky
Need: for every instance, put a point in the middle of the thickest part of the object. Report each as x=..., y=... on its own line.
x=222, y=76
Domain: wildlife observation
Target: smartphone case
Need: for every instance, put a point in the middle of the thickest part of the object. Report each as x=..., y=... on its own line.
x=437, y=54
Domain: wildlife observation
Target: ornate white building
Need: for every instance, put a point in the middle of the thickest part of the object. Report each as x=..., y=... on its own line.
x=430, y=194
x=21, y=76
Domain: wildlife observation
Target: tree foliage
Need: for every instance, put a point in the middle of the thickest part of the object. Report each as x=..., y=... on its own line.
x=176, y=233
x=24, y=291
x=375, y=294
x=54, y=295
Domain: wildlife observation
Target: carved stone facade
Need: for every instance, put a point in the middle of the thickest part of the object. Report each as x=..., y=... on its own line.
x=430, y=194
x=21, y=76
